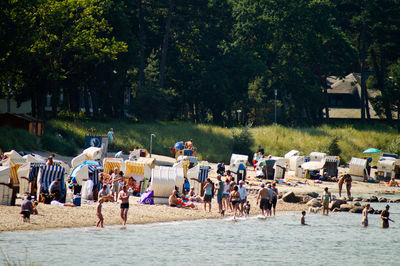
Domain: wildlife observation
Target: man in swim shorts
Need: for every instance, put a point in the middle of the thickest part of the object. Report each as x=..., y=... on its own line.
x=263, y=197
x=219, y=189
x=124, y=198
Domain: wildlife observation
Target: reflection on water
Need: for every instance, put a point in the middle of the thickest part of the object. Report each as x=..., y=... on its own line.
x=335, y=240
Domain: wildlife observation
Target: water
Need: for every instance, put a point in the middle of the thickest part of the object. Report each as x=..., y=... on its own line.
x=335, y=240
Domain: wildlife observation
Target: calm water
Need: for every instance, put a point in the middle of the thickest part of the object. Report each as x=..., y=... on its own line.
x=335, y=240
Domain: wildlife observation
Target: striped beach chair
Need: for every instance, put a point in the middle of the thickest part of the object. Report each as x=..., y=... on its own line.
x=94, y=172
x=48, y=174
x=14, y=165
x=110, y=163
x=135, y=170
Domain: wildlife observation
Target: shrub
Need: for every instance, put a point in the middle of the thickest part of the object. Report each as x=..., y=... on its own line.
x=242, y=141
x=333, y=147
x=394, y=146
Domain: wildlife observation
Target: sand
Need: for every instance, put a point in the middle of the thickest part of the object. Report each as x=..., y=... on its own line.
x=65, y=217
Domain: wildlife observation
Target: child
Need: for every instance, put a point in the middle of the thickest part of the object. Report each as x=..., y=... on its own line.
x=247, y=209
x=100, y=222
x=303, y=218
x=26, y=209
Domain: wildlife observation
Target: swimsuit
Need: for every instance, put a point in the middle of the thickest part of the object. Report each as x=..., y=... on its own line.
x=124, y=205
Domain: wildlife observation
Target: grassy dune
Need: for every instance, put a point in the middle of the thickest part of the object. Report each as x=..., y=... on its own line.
x=213, y=143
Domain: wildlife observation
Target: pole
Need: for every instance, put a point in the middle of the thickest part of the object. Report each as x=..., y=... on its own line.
x=276, y=93
x=151, y=143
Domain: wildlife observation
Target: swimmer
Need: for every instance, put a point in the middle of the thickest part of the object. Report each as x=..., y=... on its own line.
x=303, y=218
x=385, y=217
x=365, y=215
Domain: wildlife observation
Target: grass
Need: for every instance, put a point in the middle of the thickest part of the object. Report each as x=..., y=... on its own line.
x=213, y=143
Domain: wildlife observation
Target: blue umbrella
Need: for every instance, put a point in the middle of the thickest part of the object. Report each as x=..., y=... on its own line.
x=372, y=150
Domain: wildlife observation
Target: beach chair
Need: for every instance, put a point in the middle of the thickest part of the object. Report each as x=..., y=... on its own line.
x=110, y=163
x=48, y=174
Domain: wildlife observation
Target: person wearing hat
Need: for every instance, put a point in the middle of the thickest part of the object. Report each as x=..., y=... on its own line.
x=263, y=198
x=385, y=217
x=260, y=150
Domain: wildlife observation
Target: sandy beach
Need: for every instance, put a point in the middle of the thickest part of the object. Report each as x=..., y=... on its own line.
x=64, y=217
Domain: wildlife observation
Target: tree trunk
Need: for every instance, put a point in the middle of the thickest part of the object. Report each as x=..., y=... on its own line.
x=165, y=43
x=363, y=81
x=95, y=102
x=55, y=99
x=142, y=46
x=86, y=100
x=326, y=98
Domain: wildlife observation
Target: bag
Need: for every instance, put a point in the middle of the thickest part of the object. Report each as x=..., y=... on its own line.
x=147, y=197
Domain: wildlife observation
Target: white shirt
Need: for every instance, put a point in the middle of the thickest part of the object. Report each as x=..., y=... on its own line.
x=243, y=192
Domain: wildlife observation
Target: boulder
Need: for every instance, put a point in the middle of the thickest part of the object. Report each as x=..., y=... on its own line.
x=364, y=199
x=290, y=197
x=382, y=200
x=373, y=199
x=314, y=203
x=357, y=203
x=306, y=198
x=313, y=194
x=336, y=210
x=357, y=199
x=396, y=200
x=357, y=209
x=336, y=204
x=346, y=207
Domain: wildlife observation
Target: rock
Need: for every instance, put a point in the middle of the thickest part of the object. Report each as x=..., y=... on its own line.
x=396, y=200
x=314, y=203
x=336, y=204
x=382, y=200
x=357, y=203
x=357, y=199
x=306, y=198
x=343, y=198
x=364, y=199
x=346, y=207
x=313, y=194
x=357, y=210
x=373, y=199
x=336, y=210
x=290, y=197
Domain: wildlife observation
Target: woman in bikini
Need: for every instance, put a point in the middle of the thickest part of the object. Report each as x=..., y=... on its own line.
x=326, y=199
x=235, y=199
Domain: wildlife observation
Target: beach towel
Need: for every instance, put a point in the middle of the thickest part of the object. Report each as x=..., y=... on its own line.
x=147, y=198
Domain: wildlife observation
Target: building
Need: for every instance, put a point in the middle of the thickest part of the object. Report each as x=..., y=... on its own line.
x=22, y=121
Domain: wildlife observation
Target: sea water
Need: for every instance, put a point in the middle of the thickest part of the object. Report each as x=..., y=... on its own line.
x=337, y=239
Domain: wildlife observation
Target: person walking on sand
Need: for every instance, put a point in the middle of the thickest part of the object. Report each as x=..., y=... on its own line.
x=208, y=187
x=235, y=200
x=263, y=198
x=99, y=214
x=340, y=185
x=26, y=209
x=365, y=215
x=325, y=200
x=385, y=217
x=124, y=197
x=243, y=195
x=348, y=180
x=274, y=197
x=219, y=189
x=110, y=135
x=225, y=196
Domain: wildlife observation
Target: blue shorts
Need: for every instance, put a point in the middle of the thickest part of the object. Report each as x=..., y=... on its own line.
x=219, y=198
x=225, y=195
x=243, y=201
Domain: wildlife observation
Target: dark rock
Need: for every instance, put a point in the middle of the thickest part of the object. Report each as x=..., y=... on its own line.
x=357, y=210
x=357, y=203
x=357, y=199
x=373, y=199
x=306, y=198
x=382, y=200
x=346, y=207
x=291, y=198
x=396, y=200
x=313, y=194
x=364, y=199
x=314, y=203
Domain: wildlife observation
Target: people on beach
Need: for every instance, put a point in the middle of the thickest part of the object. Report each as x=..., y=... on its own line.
x=225, y=196
x=55, y=190
x=105, y=194
x=365, y=215
x=26, y=209
x=115, y=184
x=325, y=200
x=348, y=181
x=110, y=135
x=124, y=198
x=189, y=144
x=208, y=194
x=235, y=200
x=50, y=161
x=385, y=217
x=340, y=185
x=274, y=197
x=219, y=190
x=99, y=214
x=243, y=195
x=193, y=196
x=393, y=183
x=263, y=198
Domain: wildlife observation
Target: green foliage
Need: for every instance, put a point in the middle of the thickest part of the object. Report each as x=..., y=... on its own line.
x=333, y=147
x=58, y=145
x=17, y=139
x=242, y=141
x=394, y=147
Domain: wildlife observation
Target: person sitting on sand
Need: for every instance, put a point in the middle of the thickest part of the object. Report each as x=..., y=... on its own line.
x=393, y=183
x=55, y=190
x=132, y=188
x=174, y=201
x=325, y=200
x=365, y=215
x=385, y=217
x=26, y=209
x=193, y=196
x=99, y=214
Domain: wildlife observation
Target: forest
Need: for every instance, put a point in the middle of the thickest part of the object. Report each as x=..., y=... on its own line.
x=210, y=61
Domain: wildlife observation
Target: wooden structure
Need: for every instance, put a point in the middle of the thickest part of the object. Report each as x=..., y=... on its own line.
x=22, y=121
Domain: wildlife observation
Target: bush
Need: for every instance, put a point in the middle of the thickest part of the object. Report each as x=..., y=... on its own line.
x=394, y=146
x=58, y=145
x=242, y=141
x=17, y=139
x=333, y=147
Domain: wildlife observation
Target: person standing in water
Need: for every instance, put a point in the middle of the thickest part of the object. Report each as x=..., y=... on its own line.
x=325, y=200
x=274, y=197
x=263, y=198
x=124, y=197
x=99, y=214
x=365, y=215
x=303, y=218
x=385, y=217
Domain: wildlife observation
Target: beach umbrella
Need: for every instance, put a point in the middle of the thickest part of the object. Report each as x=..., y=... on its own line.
x=372, y=150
